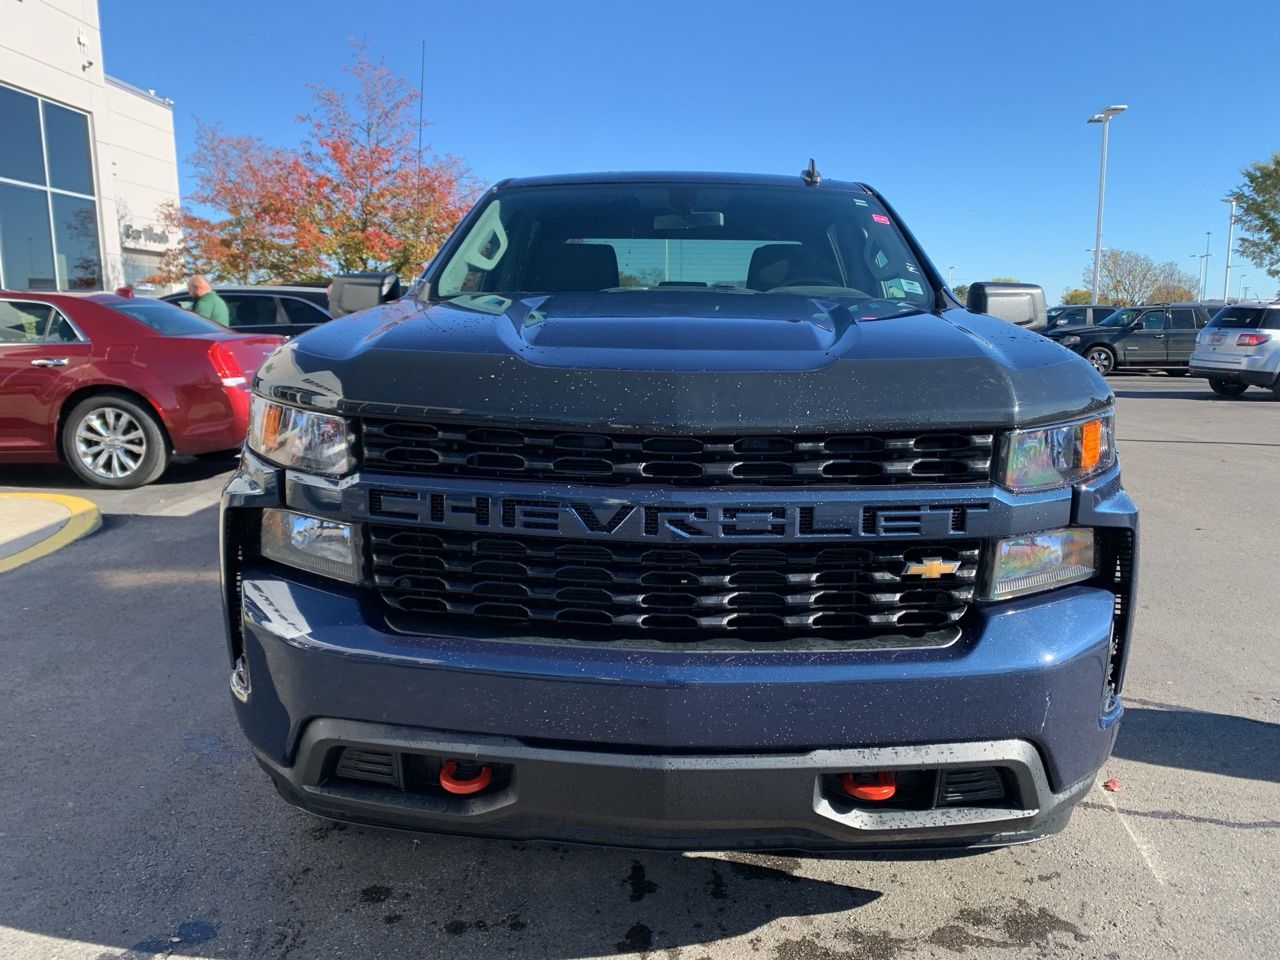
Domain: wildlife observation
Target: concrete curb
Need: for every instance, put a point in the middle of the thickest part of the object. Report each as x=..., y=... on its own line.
x=84, y=519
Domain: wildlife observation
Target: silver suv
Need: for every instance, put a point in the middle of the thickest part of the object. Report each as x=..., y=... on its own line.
x=1240, y=348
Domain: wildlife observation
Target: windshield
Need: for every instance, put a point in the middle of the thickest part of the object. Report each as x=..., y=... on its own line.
x=1245, y=318
x=631, y=239
x=1121, y=318
x=167, y=319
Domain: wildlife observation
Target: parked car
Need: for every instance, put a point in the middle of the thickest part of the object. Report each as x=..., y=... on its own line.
x=113, y=386
x=1079, y=314
x=1240, y=348
x=1157, y=336
x=686, y=510
x=287, y=311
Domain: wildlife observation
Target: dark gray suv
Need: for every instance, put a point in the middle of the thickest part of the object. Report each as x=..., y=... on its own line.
x=1079, y=314
x=287, y=311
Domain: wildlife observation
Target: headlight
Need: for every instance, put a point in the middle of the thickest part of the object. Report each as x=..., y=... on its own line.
x=1058, y=456
x=289, y=437
x=326, y=547
x=1069, y=341
x=1039, y=561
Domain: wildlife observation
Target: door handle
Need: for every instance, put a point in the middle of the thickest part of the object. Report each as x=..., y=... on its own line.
x=50, y=362
x=1158, y=336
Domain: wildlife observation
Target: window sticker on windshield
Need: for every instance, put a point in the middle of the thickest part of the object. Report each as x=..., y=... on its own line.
x=861, y=203
x=911, y=267
x=879, y=218
x=911, y=286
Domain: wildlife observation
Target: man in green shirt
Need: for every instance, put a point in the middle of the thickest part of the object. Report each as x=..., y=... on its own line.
x=207, y=303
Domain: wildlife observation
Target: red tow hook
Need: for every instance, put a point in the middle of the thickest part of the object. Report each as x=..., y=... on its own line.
x=883, y=788
x=459, y=785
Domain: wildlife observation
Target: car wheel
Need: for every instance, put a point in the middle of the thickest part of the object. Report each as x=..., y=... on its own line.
x=110, y=440
x=1227, y=388
x=1103, y=360
x=1177, y=372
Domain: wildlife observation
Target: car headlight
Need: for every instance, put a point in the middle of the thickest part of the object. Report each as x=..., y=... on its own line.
x=1040, y=561
x=325, y=547
x=1069, y=341
x=1058, y=456
x=290, y=437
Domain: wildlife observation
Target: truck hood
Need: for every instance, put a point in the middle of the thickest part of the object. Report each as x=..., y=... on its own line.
x=683, y=363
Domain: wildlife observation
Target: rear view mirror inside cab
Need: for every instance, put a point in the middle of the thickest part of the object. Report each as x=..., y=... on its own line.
x=689, y=221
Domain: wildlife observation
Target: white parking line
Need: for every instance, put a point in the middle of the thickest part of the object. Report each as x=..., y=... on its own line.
x=1138, y=842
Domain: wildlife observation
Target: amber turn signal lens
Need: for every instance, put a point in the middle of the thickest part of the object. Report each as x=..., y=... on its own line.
x=1090, y=445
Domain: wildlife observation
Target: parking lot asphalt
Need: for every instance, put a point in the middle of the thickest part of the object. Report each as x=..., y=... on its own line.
x=133, y=822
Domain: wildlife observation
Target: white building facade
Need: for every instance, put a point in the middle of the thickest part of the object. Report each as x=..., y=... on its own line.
x=87, y=162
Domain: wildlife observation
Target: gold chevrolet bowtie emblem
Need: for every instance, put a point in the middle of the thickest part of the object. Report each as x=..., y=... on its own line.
x=931, y=568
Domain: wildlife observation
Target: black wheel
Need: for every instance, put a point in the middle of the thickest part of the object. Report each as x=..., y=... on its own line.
x=1103, y=360
x=1227, y=388
x=111, y=440
x=1177, y=372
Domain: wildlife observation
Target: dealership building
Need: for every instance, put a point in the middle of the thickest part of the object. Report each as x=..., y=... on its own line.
x=87, y=162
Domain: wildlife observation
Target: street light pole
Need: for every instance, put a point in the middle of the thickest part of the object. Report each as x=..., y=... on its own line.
x=1204, y=264
x=1104, y=118
x=949, y=271
x=1242, y=276
x=1231, y=222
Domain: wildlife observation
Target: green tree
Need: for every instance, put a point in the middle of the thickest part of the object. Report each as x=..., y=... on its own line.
x=1076, y=295
x=961, y=290
x=1259, y=215
x=1004, y=280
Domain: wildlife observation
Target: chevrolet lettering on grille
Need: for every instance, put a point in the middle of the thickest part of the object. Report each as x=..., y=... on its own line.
x=612, y=518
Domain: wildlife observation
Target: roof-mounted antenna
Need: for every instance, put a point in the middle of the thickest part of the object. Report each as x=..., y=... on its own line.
x=810, y=174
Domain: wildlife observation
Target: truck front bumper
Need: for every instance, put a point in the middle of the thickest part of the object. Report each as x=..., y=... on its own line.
x=673, y=750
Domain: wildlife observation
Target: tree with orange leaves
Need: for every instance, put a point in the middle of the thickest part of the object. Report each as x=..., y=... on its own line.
x=353, y=196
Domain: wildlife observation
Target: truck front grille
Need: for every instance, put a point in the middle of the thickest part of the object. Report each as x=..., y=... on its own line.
x=676, y=593
x=521, y=453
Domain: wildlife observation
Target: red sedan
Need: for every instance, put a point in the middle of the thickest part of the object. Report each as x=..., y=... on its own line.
x=114, y=387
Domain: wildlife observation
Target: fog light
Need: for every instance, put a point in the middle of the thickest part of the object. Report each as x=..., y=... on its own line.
x=324, y=547
x=1040, y=561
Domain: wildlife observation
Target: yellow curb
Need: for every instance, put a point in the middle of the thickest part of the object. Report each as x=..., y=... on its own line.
x=84, y=519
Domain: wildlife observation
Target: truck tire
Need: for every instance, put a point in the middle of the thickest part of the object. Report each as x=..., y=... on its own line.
x=1227, y=388
x=1102, y=358
x=112, y=440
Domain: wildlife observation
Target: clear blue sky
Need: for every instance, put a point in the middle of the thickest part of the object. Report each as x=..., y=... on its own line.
x=969, y=116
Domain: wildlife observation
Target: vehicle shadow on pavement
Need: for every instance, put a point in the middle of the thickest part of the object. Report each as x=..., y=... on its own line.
x=1197, y=740
x=137, y=823
x=1249, y=396
x=46, y=476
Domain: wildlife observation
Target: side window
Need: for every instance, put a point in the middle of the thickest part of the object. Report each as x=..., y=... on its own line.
x=1152, y=320
x=186, y=303
x=23, y=322
x=1182, y=319
x=250, y=310
x=300, y=311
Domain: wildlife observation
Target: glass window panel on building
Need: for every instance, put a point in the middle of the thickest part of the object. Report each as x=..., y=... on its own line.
x=66, y=142
x=49, y=238
x=75, y=234
x=20, y=154
x=26, y=248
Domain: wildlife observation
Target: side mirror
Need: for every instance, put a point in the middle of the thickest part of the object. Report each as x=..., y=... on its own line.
x=359, y=291
x=1020, y=303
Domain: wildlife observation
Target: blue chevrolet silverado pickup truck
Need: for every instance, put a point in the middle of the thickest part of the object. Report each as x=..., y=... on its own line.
x=687, y=511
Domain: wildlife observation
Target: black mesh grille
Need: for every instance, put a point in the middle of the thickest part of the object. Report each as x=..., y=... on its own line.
x=432, y=449
x=676, y=592
x=1117, y=573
